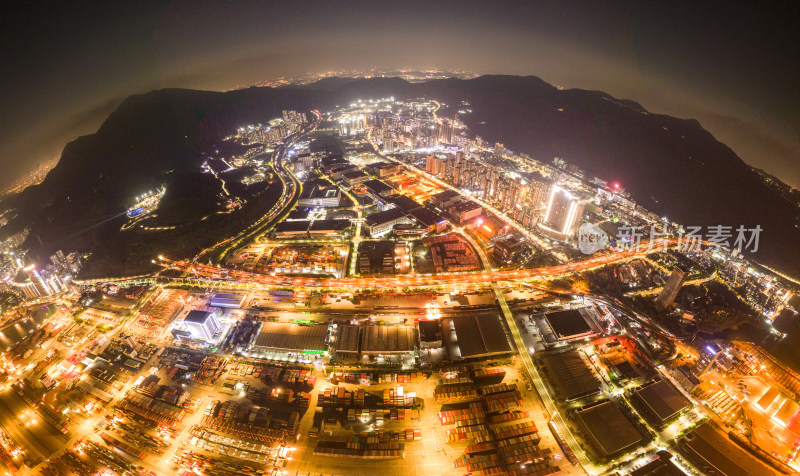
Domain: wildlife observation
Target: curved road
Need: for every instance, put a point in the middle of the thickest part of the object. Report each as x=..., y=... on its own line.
x=218, y=251
x=234, y=276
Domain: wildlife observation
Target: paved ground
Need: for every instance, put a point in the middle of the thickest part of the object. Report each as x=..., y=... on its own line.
x=37, y=438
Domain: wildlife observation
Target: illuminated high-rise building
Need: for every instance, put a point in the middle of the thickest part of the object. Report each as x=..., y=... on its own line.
x=388, y=141
x=563, y=213
x=432, y=165
x=538, y=193
x=446, y=132
x=457, y=173
x=671, y=288
x=39, y=283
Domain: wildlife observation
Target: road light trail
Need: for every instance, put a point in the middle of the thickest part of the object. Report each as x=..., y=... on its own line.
x=536, y=379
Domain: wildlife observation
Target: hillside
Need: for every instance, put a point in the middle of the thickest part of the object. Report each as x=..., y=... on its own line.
x=671, y=166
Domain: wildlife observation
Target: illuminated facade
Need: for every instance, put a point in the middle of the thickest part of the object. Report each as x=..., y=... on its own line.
x=562, y=214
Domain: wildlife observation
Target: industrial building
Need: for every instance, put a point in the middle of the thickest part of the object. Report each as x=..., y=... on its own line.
x=430, y=334
x=201, y=325
x=376, y=257
x=382, y=222
x=291, y=337
x=231, y=301
x=443, y=200
x=386, y=340
x=328, y=228
x=431, y=221
x=375, y=340
x=385, y=169
x=572, y=324
x=463, y=211
x=348, y=338
x=299, y=229
x=291, y=229
x=377, y=189
x=609, y=430
x=354, y=178
x=660, y=401
x=404, y=203
x=473, y=336
x=320, y=194
x=570, y=375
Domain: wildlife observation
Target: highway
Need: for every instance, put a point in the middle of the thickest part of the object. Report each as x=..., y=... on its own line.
x=291, y=192
x=256, y=280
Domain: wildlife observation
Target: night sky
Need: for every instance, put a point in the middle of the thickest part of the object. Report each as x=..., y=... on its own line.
x=735, y=68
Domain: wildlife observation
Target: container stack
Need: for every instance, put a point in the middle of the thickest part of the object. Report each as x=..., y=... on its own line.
x=450, y=417
x=501, y=402
x=455, y=393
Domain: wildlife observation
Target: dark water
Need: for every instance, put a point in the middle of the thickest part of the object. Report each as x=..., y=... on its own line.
x=787, y=350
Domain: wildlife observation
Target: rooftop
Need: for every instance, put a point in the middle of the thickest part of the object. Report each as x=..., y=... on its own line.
x=383, y=217
x=479, y=335
x=571, y=375
x=292, y=226
x=429, y=331
x=355, y=174
x=404, y=203
x=609, y=429
x=197, y=316
x=719, y=453
x=426, y=217
x=570, y=323
x=377, y=339
x=290, y=336
x=377, y=187
x=337, y=225
x=347, y=338
x=662, y=399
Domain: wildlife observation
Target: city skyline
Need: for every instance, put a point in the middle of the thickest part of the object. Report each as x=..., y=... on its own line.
x=403, y=251
x=371, y=241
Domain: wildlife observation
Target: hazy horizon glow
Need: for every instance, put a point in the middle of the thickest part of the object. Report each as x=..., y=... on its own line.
x=732, y=68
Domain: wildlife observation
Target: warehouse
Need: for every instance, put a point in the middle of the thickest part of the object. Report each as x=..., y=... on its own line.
x=354, y=178
x=573, y=324
x=430, y=334
x=377, y=189
x=570, y=375
x=347, y=339
x=320, y=194
x=661, y=401
x=445, y=199
x=328, y=228
x=291, y=337
x=473, y=336
x=232, y=301
x=431, y=221
x=610, y=431
x=291, y=229
x=385, y=340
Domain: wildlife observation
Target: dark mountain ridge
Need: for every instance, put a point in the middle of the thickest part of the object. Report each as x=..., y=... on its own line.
x=672, y=166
